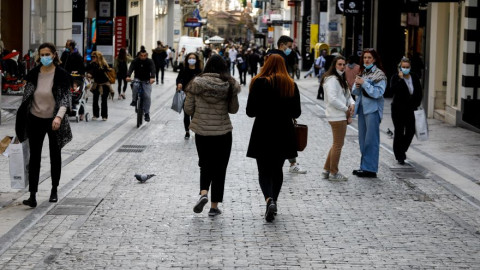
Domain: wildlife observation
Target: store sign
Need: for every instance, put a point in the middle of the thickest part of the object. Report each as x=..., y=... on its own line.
x=339, y=7
x=352, y=7
x=332, y=26
x=120, y=33
x=192, y=24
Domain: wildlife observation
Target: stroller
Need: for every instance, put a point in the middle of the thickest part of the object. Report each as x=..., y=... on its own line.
x=81, y=86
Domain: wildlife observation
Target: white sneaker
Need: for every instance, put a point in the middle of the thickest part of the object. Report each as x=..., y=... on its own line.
x=337, y=177
x=325, y=174
x=296, y=169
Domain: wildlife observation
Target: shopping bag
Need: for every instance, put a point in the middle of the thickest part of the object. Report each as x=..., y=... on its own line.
x=19, y=156
x=178, y=99
x=421, y=125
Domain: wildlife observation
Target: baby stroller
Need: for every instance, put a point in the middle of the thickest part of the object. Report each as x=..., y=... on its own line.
x=81, y=86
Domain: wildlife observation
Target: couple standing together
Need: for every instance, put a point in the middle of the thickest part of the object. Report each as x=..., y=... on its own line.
x=274, y=100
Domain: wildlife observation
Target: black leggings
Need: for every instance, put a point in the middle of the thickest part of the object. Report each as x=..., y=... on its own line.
x=213, y=156
x=36, y=130
x=120, y=80
x=186, y=121
x=270, y=176
x=96, y=97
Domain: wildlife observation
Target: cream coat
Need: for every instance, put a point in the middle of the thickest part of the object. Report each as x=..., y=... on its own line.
x=207, y=102
x=336, y=99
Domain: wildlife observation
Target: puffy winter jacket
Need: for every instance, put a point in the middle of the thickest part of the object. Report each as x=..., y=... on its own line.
x=207, y=100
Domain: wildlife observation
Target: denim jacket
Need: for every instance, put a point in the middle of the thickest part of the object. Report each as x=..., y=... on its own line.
x=374, y=85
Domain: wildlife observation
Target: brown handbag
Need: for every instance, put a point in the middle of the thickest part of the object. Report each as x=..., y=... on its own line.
x=301, y=135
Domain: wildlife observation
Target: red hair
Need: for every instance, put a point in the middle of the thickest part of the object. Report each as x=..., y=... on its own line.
x=275, y=69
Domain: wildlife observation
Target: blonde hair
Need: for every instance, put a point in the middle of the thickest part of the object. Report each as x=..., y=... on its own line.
x=100, y=60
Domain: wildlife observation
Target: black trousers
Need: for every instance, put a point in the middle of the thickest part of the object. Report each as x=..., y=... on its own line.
x=37, y=128
x=120, y=80
x=186, y=121
x=243, y=76
x=404, y=124
x=157, y=70
x=213, y=156
x=270, y=176
x=96, y=97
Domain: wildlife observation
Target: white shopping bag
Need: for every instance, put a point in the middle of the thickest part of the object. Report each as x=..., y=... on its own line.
x=178, y=99
x=421, y=125
x=19, y=157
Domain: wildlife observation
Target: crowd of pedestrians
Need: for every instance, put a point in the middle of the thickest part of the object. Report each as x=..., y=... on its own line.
x=207, y=77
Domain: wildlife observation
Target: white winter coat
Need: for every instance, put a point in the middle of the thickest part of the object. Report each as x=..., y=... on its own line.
x=336, y=99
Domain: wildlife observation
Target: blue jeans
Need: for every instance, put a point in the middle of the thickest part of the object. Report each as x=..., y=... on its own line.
x=369, y=139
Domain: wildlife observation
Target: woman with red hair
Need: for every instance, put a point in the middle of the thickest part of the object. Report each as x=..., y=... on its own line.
x=274, y=101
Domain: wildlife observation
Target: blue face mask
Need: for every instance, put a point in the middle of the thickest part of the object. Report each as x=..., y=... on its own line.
x=368, y=66
x=288, y=51
x=46, y=60
x=405, y=71
x=67, y=49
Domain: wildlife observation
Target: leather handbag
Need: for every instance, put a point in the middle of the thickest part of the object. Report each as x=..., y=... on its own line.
x=111, y=75
x=301, y=135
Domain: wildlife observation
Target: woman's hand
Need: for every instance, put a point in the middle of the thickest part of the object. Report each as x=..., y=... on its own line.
x=351, y=110
x=57, y=121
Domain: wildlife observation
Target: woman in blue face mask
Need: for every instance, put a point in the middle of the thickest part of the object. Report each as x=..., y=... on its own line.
x=407, y=96
x=369, y=87
x=45, y=101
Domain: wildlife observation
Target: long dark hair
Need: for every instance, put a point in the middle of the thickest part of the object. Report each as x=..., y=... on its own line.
x=375, y=55
x=53, y=49
x=216, y=64
x=122, y=55
x=198, y=63
x=332, y=71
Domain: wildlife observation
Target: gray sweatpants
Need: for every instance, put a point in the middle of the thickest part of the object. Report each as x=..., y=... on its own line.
x=147, y=93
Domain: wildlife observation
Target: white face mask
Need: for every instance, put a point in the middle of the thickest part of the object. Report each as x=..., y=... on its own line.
x=340, y=72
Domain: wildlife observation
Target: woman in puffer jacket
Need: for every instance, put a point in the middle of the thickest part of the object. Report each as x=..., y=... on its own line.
x=339, y=108
x=211, y=97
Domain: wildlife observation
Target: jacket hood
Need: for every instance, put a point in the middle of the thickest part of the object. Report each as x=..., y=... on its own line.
x=211, y=87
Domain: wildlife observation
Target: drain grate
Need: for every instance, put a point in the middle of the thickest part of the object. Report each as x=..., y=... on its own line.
x=75, y=206
x=407, y=173
x=132, y=148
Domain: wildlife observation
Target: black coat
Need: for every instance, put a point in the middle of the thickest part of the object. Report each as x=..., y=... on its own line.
x=273, y=134
x=73, y=61
x=402, y=100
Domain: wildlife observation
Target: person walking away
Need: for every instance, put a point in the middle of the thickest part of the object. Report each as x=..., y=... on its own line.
x=407, y=97
x=71, y=59
x=232, y=53
x=252, y=61
x=193, y=67
x=169, y=56
x=339, y=107
x=242, y=66
x=144, y=69
x=96, y=69
x=159, y=56
x=369, y=89
x=274, y=101
x=45, y=101
x=211, y=97
x=180, y=59
x=351, y=70
x=284, y=45
x=120, y=64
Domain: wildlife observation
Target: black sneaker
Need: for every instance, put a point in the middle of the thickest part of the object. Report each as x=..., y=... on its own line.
x=200, y=204
x=271, y=209
x=187, y=135
x=214, y=211
x=147, y=117
x=134, y=103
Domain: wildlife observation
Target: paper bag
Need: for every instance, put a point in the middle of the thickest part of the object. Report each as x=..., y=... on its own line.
x=19, y=157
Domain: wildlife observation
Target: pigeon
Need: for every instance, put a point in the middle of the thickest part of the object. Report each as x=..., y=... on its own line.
x=143, y=177
x=389, y=132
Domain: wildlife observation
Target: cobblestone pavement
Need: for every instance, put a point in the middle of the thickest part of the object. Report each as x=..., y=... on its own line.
x=111, y=221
